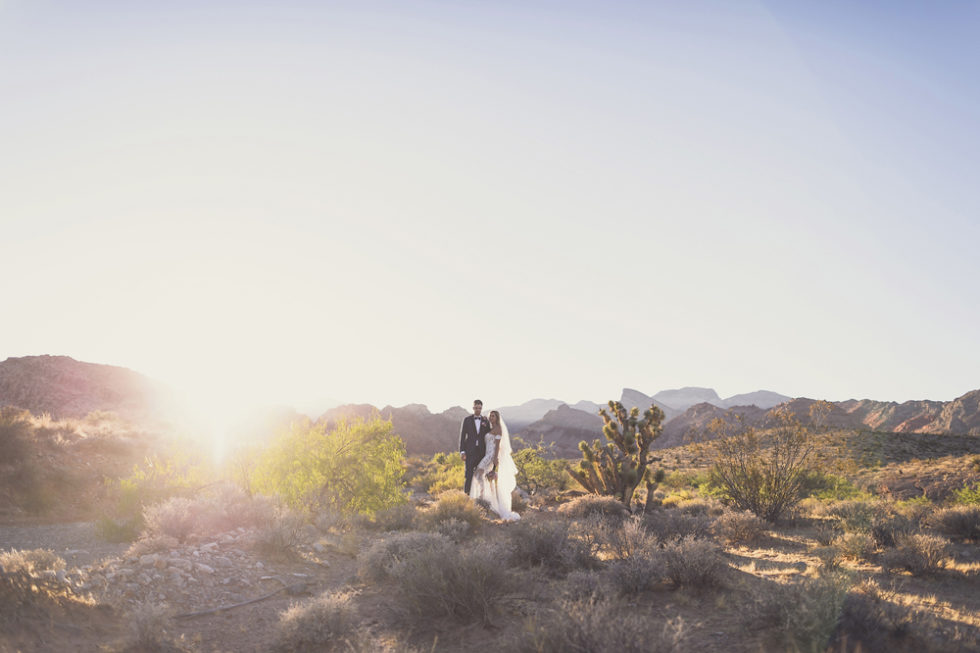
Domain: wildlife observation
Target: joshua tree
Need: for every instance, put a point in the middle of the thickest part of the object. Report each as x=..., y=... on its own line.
x=619, y=467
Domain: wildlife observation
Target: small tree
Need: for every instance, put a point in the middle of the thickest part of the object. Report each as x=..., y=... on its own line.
x=763, y=472
x=356, y=467
x=620, y=466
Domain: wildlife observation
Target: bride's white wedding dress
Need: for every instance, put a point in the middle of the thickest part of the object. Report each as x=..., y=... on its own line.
x=497, y=492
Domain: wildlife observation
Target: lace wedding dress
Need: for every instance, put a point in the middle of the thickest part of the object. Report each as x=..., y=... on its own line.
x=497, y=492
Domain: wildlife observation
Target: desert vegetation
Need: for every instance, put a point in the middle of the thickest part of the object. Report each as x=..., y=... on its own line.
x=788, y=539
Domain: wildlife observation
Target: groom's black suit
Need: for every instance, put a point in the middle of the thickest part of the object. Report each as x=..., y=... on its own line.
x=473, y=444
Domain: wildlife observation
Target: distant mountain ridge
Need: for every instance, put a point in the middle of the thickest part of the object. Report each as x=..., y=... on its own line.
x=65, y=387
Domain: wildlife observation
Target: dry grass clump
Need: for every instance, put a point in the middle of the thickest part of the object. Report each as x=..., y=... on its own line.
x=668, y=525
x=148, y=631
x=149, y=543
x=600, y=626
x=31, y=561
x=588, y=505
x=959, y=522
x=739, y=527
x=870, y=619
x=465, y=583
x=280, y=536
x=453, y=504
x=694, y=563
x=325, y=623
x=853, y=514
x=919, y=554
x=640, y=572
x=856, y=546
x=227, y=508
x=176, y=517
x=396, y=518
x=374, y=563
x=804, y=615
x=548, y=543
x=888, y=527
x=701, y=506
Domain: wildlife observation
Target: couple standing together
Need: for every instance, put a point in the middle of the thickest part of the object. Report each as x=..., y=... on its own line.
x=491, y=474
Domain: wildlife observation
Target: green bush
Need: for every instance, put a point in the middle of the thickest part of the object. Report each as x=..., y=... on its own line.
x=355, y=468
x=446, y=471
x=537, y=470
x=968, y=496
x=854, y=515
x=831, y=487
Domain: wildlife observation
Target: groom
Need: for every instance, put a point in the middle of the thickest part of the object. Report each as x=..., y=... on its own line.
x=472, y=446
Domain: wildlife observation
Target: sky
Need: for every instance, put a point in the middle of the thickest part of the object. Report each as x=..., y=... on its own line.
x=307, y=203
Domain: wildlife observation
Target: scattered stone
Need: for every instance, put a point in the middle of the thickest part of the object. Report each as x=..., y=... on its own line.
x=203, y=568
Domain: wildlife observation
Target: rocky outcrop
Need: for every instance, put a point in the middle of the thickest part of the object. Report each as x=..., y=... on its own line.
x=635, y=399
x=518, y=417
x=759, y=398
x=693, y=425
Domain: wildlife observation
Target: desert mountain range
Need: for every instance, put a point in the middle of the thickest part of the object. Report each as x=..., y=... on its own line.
x=64, y=387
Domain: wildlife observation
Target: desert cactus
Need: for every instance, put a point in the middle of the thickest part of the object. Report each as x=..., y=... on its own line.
x=618, y=467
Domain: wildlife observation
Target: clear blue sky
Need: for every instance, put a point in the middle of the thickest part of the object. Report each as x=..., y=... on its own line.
x=395, y=202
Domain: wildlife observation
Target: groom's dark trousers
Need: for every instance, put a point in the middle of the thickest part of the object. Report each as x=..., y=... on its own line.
x=473, y=444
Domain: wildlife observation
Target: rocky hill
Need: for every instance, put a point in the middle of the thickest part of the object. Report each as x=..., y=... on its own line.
x=424, y=433
x=64, y=387
x=564, y=428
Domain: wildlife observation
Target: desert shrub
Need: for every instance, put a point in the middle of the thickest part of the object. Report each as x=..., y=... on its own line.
x=325, y=623
x=857, y=546
x=453, y=504
x=466, y=583
x=701, y=506
x=374, y=562
x=830, y=557
x=396, y=518
x=968, y=496
x=148, y=543
x=739, y=527
x=872, y=620
x=919, y=554
x=30, y=561
x=826, y=531
x=584, y=583
x=176, y=517
x=357, y=467
x=538, y=469
x=805, y=614
x=763, y=473
x=594, y=532
x=281, y=534
x=959, y=522
x=668, y=525
x=15, y=435
x=854, y=515
x=811, y=507
x=888, y=527
x=588, y=505
x=693, y=562
x=157, y=478
x=549, y=544
x=639, y=572
x=148, y=630
x=600, y=626
x=629, y=538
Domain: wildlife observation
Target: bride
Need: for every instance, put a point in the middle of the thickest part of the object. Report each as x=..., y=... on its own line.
x=495, y=477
